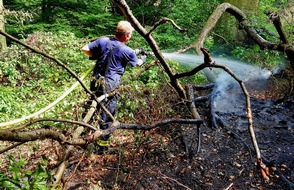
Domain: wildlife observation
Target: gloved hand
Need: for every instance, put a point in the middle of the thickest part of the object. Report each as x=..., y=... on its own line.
x=143, y=58
x=138, y=51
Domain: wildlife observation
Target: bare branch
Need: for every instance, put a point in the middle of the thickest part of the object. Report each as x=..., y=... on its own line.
x=191, y=72
x=248, y=107
x=80, y=123
x=164, y=20
x=160, y=123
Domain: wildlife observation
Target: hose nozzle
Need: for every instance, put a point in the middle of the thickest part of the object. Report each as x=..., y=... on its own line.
x=141, y=51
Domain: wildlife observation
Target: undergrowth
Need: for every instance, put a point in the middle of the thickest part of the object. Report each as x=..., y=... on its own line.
x=29, y=81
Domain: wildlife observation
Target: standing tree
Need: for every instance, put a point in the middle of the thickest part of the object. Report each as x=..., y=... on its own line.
x=2, y=38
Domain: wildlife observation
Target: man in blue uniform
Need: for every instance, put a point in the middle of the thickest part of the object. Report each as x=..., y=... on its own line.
x=112, y=56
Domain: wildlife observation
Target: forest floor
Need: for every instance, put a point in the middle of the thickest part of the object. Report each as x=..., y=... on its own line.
x=158, y=159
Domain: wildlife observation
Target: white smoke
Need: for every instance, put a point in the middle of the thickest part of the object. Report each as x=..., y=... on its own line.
x=227, y=94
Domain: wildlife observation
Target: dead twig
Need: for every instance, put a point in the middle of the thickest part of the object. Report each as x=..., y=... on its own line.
x=208, y=63
x=229, y=187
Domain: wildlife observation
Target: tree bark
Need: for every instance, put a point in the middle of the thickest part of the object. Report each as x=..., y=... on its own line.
x=11, y=135
x=3, y=44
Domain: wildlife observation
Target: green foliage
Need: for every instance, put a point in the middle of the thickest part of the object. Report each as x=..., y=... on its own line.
x=272, y=5
x=90, y=18
x=17, y=177
x=267, y=29
x=255, y=56
x=30, y=81
x=188, y=15
x=149, y=12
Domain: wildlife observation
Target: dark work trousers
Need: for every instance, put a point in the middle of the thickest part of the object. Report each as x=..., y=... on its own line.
x=107, y=85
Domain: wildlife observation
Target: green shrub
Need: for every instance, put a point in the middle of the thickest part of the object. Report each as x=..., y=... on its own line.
x=17, y=177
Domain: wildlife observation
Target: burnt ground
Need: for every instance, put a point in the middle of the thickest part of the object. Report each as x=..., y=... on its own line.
x=166, y=157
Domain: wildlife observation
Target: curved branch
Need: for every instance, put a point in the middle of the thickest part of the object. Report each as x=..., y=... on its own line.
x=248, y=107
x=208, y=63
x=241, y=17
x=164, y=20
x=160, y=123
x=261, y=165
x=264, y=44
x=55, y=120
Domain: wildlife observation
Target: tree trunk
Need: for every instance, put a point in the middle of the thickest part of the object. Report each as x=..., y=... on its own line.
x=2, y=38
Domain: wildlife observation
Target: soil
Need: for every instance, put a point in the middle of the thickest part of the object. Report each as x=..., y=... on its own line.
x=167, y=157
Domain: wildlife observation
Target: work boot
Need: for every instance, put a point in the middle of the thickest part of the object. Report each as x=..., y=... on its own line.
x=103, y=142
x=102, y=145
